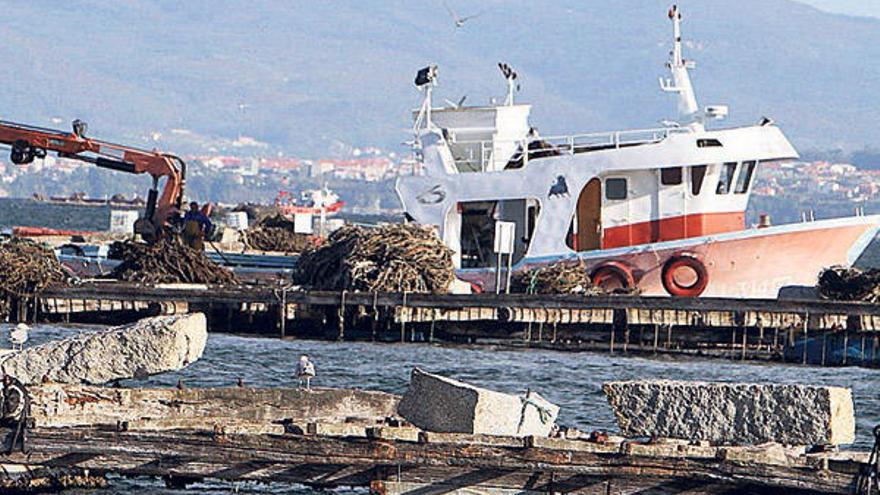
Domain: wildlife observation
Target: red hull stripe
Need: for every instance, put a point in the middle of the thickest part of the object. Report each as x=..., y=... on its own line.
x=670, y=229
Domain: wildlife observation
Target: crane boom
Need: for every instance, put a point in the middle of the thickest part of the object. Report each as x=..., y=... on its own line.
x=30, y=142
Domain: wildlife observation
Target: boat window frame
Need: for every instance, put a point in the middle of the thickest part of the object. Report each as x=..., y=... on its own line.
x=665, y=171
x=745, y=176
x=725, y=186
x=697, y=187
x=606, y=189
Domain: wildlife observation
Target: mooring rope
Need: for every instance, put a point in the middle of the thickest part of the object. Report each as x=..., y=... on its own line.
x=544, y=413
x=868, y=480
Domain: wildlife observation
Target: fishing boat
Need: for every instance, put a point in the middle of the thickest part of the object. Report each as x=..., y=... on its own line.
x=312, y=202
x=660, y=210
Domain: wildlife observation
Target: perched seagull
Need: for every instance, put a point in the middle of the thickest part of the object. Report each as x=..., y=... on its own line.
x=459, y=21
x=305, y=371
x=18, y=335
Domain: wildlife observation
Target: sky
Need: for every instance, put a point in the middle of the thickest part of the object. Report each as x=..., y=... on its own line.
x=850, y=7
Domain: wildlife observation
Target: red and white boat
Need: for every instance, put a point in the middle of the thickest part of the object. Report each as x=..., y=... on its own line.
x=658, y=209
x=312, y=202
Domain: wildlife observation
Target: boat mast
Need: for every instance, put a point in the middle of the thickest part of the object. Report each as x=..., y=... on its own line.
x=688, y=111
x=425, y=80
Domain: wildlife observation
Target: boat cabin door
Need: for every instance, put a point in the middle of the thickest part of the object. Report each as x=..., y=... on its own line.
x=587, y=234
x=670, y=220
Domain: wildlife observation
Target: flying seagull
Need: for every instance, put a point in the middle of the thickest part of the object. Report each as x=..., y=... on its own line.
x=459, y=21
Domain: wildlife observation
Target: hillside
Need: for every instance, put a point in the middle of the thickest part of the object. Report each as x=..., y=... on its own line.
x=311, y=73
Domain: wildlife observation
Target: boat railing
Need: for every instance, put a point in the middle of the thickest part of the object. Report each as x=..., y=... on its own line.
x=478, y=156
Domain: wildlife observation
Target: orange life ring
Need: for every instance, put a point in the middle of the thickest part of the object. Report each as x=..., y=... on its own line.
x=613, y=271
x=678, y=289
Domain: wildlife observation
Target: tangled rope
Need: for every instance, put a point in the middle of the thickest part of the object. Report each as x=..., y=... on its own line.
x=388, y=258
x=563, y=277
x=167, y=261
x=26, y=269
x=276, y=233
x=868, y=480
x=850, y=284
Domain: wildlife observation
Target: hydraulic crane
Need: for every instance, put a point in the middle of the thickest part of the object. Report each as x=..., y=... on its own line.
x=30, y=142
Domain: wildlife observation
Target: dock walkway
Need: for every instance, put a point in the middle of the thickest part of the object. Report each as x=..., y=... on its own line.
x=805, y=331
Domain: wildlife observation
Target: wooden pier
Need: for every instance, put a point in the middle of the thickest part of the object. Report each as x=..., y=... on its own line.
x=802, y=331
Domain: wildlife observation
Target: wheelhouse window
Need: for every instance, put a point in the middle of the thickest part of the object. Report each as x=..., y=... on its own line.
x=615, y=188
x=670, y=176
x=745, y=177
x=698, y=173
x=725, y=179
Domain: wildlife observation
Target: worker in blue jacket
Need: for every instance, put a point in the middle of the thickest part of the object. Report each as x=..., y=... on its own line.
x=196, y=226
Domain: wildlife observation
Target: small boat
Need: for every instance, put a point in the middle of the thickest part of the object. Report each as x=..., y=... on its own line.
x=312, y=202
x=660, y=210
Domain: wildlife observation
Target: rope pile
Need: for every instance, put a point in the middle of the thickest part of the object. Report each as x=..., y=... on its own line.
x=563, y=277
x=166, y=262
x=390, y=258
x=26, y=269
x=276, y=233
x=850, y=284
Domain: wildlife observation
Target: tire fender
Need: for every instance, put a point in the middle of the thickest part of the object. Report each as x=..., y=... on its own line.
x=616, y=270
x=684, y=260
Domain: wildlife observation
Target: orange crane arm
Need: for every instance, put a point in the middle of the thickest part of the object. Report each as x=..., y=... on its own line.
x=29, y=142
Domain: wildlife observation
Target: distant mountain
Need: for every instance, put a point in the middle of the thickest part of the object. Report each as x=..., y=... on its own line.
x=869, y=8
x=303, y=75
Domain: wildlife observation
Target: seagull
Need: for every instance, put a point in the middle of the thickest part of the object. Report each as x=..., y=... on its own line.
x=18, y=335
x=305, y=371
x=459, y=21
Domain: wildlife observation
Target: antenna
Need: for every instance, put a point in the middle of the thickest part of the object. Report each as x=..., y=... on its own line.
x=510, y=76
x=681, y=81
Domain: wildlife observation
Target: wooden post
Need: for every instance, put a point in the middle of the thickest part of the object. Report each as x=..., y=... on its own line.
x=403, y=320
x=554, y=332
x=341, y=315
x=668, y=337
x=656, y=332
x=744, y=342
x=611, y=341
x=845, y=346
x=863, y=349
x=733, y=344
x=760, y=334
x=824, y=343
x=806, y=325
x=876, y=340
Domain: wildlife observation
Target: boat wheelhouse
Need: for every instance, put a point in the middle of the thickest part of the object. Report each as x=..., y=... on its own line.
x=659, y=209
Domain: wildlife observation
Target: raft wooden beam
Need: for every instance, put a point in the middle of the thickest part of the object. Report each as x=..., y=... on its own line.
x=396, y=466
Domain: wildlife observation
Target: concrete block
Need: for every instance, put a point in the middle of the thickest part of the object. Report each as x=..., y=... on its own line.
x=147, y=347
x=55, y=405
x=440, y=404
x=733, y=413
